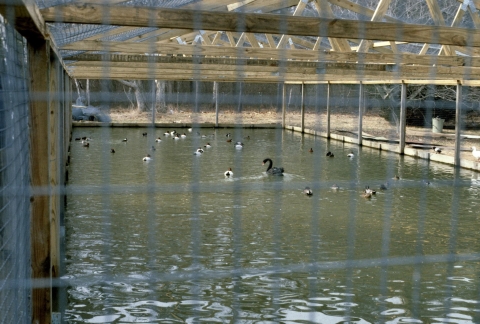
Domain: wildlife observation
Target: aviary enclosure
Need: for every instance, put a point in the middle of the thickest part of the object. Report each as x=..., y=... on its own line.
x=88, y=235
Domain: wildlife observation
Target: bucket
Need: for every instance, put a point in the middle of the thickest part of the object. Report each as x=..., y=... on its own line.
x=437, y=124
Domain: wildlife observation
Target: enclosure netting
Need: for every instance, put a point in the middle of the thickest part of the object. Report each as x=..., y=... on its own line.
x=15, y=290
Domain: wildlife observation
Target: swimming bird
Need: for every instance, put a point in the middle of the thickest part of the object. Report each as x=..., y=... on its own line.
x=176, y=137
x=144, y=134
x=78, y=138
x=86, y=144
x=330, y=154
x=158, y=140
x=199, y=151
x=475, y=153
x=383, y=186
x=396, y=177
x=437, y=149
x=368, y=190
x=229, y=140
x=228, y=173
x=183, y=135
x=147, y=158
x=167, y=133
x=335, y=187
x=228, y=135
x=308, y=191
x=272, y=171
x=238, y=145
x=208, y=145
x=153, y=148
x=367, y=195
x=112, y=150
x=351, y=155
x=124, y=140
x=190, y=129
x=310, y=150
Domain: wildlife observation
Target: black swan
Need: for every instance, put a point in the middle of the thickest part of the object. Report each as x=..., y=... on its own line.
x=274, y=170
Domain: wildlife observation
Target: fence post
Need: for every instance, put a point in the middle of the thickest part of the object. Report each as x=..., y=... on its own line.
x=458, y=123
x=284, y=94
x=328, y=109
x=360, y=113
x=302, y=112
x=215, y=85
x=403, y=118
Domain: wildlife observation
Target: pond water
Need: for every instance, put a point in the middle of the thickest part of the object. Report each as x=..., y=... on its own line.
x=172, y=240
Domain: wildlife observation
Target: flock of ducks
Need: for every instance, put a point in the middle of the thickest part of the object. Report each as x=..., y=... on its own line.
x=475, y=153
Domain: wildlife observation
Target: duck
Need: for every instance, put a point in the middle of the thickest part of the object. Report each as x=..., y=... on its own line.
x=229, y=140
x=78, y=138
x=124, y=140
x=86, y=144
x=183, y=135
x=112, y=150
x=335, y=187
x=367, y=195
x=368, y=190
x=176, y=137
x=228, y=135
x=308, y=191
x=351, y=155
x=153, y=148
x=278, y=171
x=228, y=173
x=144, y=134
x=208, y=145
x=247, y=137
x=147, y=158
x=310, y=150
x=329, y=154
x=167, y=133
x=190, y=129
x=199, y=151
x=238, y=145
x=396, y=177
x=437, y=150
x=158, y=140
x=383, y=186
x=475, y=153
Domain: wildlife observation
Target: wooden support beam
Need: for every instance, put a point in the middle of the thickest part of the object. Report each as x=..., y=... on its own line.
x=39, y=61
x=324, y=10
x=403, y=118
x=328, y=110
x=215, y=88
x=437, y=17
x=261, y=23
x=361, y=107
x=458, y=124
x=377, y=16
x=302, y=112
x=284, y=104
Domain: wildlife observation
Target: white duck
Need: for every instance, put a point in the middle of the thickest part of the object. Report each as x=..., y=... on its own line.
x=475, y=153
x=228, y=173
x=147, y=158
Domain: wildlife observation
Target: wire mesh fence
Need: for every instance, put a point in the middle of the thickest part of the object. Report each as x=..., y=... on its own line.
x=15, y=292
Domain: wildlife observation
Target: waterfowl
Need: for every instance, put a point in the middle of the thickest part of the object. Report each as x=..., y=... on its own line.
x=147, y=158
x=229, y=140
x=86, y=144
x=112, y=150
x=228, y=135
x=475, y=153
x=238, y=145
x=144, y=134
x=198, y=151
x=310, y=150
x=208, y=145
x=396, y=177
x=183, y=135
x=158, y=140
x=84, y=138
x=335, y=187
x=124, y=140
x=247, y=137
x=351, y=155
x=153, y=148
x=78, y=138
x=368, y=190
x=176, y=137
x=367, y=195
x=190, y=129
x=383, y=186
x=330, y=154
x=308, y=191
x=167, y=133
x=228, y=173
x=437, y=149
x=272, y=171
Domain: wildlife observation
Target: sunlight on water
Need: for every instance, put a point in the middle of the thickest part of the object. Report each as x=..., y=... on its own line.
x=173, y=240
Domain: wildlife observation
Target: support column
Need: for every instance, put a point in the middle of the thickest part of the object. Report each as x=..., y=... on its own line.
x=361, y=105
x=328, y=110
x=302, y=112
x=39, y=63
x=458, y=123
x=215, y=85
x=284, y=106
x=403, y=118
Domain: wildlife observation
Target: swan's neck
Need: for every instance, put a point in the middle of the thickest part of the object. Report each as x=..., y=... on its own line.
x=269, y=164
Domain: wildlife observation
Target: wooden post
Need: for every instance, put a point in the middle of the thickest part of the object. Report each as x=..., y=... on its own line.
x=215, y=85
x=361, y=105
x=39, y=62
x=328, y=110
x=55, y=166
x=302, y=112
x=458, y=123
x=403, y=118
x=284, y=106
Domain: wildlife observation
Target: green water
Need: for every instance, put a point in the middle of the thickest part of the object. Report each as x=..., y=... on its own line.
x=172, y=240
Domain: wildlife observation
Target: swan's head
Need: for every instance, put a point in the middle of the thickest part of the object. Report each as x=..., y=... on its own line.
x=265, y=161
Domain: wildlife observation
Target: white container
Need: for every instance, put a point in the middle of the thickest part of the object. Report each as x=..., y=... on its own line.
x=437, y=124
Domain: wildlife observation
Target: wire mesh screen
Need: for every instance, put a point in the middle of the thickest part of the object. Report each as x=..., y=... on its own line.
x=253, y=174
x=15, y=293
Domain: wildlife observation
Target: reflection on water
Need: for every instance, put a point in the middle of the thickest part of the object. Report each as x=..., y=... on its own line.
x=173, y=240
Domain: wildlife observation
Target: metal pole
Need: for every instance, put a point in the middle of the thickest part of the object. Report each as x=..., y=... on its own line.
x=360, y=114
x=302, y=125
x=328, y=110
x=403, y=118
x=458, y=123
